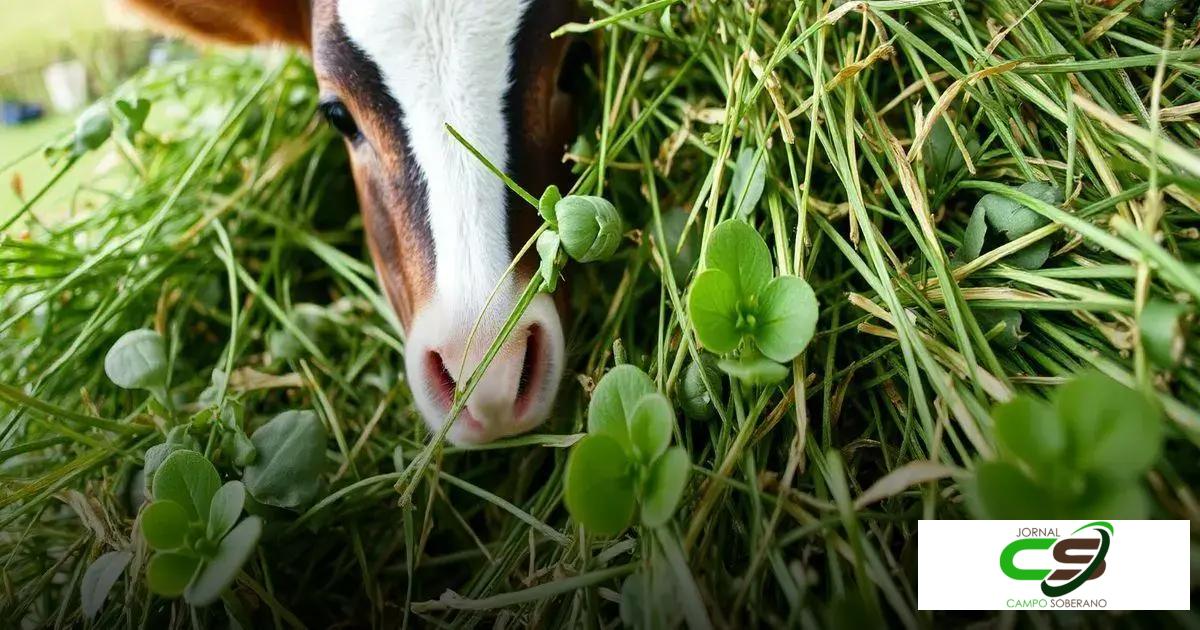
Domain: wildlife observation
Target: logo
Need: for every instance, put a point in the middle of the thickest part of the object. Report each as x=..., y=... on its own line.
x=1079, y=556
x=1054, y=565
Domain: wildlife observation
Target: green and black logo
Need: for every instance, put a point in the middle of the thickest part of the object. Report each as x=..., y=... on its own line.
x=1074, y=549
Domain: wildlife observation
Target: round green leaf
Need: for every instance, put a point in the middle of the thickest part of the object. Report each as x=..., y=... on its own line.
x=165, y=525
x=1028, y=429
x=749, y=178
x=133, y=114
x=291, y=454
x=168, y=574
x=138, y=360
x=548, y=244
x=1008, y=322
x=1113, y=501
x=976, y=234
x=1158, y=9
x=664, y=487
x=614, y=400
x=694, y=398
x=1161, y=327
x=754, y=370
x=190, y=480
x=713, y=308
x=99, y=579
x=219, y=573
x=1113, y=431
x=650, y=427
x=226, y=507
x=1015, y=219
x=1002, y=491
x=599, y=486
x=590, y=227
x=941, y=153
x=737, y=249
x=550, y=198
x=787, y=318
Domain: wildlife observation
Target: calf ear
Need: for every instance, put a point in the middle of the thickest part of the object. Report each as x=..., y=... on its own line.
x=233, y=21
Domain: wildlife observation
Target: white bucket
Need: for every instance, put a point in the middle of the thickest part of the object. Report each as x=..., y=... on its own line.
x=66, y=82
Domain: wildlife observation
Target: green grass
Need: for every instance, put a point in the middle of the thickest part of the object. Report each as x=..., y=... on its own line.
x=231, y=235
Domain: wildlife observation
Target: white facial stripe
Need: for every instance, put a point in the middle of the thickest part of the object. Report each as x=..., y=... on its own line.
x=449, y=61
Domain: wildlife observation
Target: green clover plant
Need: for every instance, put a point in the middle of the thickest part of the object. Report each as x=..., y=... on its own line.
x=998, y=219
x=1081, y=455
x=193, y=526
x=736, y=303
x=626, y=459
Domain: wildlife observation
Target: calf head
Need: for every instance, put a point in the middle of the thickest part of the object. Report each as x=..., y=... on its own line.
x=442, y=230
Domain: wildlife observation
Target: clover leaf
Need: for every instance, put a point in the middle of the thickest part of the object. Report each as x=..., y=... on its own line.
x=736, y=299
x=997, y=219
x=1112, y=431
x=219, y=572
x=101, y=575
x=713, y=306
x=626, y=458
x=787, y=319
x=749, y=179
x=1006, y=322
x=168, y=574
x=599, y=485
x=753, y=369
x=738, y=250
x=650, y=427
x=550, y=199
x=177, y=440
x=188, y=479
x=664, y=486
x=291, y=453
x=132, y=114
x=165, y=525
x=1158, y=9
x=614, y=401
x=1162, y=326
x=138, y=360
x=548, y=246
x=941, y=153
x=1080, y=455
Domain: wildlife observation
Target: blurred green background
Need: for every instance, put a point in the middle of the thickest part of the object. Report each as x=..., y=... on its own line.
x=100, y=37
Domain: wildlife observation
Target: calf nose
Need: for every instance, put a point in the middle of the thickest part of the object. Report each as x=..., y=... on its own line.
x=517, y=388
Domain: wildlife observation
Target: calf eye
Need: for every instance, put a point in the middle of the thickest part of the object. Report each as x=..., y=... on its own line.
x=334, y=111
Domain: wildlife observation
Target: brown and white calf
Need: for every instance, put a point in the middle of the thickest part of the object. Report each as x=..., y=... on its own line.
x=442, y=230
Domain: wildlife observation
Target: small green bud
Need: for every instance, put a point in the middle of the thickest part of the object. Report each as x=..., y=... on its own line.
x=590, y=227
x=92, y=128
x=693, y=396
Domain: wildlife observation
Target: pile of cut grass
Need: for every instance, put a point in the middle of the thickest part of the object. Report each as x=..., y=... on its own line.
x=230, y=235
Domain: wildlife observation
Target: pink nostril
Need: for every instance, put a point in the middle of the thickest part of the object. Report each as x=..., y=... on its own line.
x=441, y=382
x=532, y=371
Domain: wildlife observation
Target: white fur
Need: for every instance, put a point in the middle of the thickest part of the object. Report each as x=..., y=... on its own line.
x=449, y=61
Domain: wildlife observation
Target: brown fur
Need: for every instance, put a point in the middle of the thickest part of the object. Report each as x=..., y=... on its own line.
x=242, y=22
